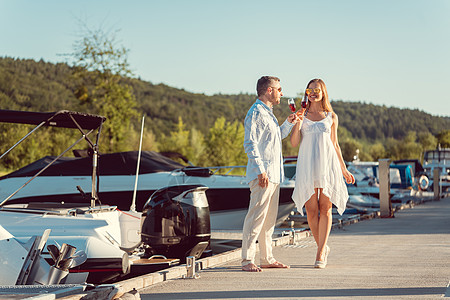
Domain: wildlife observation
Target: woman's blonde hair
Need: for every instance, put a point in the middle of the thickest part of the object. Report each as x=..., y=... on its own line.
x=326, y=105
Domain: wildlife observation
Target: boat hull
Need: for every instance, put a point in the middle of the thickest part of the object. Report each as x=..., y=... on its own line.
x=228, y=196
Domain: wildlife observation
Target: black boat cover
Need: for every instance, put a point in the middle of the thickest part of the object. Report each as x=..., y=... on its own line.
x=121, y=163
x=60, y=118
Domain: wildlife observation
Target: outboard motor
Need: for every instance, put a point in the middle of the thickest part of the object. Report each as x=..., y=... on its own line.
x=175, y=222
x=23, y=263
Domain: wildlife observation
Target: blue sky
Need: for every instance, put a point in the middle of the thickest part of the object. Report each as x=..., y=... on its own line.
x=385, y=52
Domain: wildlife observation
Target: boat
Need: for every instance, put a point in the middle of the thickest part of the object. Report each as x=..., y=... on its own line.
x=367, y=182
x=228, y=195
x=362, y=203
x=116, y=242
x=438, y=158
x=23, y=264
x=421, y=178
x=408, y=180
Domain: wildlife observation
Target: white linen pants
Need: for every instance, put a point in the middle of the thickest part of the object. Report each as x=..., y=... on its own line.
x=260, y=222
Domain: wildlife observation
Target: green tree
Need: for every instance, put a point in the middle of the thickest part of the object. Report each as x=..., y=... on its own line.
x=427, y=140
x=392, y=147
x=444, y=138
x=348, y=148
x=224, y=145
x=377, y=151
x=99, y=68
x=343, y=134
x=409, y=148
x=149, y=141
x=197, y=147
x=177, y=141
x=46, y=141
x=190, y=144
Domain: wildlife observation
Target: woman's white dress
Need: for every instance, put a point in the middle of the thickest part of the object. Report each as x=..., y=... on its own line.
x=318, y=165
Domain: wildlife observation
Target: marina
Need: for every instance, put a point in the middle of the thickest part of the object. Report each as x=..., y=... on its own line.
x=188, y=219
x=150, y=151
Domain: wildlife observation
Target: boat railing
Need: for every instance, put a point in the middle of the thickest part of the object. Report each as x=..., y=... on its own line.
x=227, y=170
x=230, y=169
x=59, y=211
x=218, y=169
x=91, y=210
x=32, y=210
x=191, y=174
x=215, y=170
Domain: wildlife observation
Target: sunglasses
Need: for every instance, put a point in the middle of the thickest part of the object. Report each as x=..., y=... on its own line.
x=274, y=88
x=310, y=91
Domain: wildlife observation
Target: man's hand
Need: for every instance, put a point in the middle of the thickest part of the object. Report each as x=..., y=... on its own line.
x=293, y=118
x=263, y=180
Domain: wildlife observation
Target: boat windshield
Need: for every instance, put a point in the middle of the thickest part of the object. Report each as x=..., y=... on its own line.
x=437, y=155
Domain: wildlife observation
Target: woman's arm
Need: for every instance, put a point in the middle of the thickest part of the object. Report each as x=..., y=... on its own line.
x=295, y=134
x=349, y=178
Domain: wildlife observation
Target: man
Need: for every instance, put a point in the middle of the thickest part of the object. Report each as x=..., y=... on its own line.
x=262, y=144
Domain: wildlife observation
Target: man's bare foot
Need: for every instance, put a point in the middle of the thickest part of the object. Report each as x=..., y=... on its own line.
x=276, y=264
x=251, y=268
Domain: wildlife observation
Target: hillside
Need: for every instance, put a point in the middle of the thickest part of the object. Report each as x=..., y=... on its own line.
x=42, y=86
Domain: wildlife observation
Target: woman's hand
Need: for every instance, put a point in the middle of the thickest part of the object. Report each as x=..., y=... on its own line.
x=293, y=118
x=301, y=114
x=296, y=117
x=349, y=178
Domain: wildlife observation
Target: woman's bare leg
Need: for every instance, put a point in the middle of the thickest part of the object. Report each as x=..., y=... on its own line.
x=324, y=227
x=312, y=214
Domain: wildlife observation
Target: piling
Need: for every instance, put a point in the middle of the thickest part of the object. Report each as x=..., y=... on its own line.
x=385, y=188
x=436, y=179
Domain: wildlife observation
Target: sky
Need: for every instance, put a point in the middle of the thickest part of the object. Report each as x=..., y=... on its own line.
x=385, y=52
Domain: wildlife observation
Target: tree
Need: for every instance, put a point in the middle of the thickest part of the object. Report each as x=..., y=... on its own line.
x=99, y=68
x=348, y=144
x=392, y=147
x=377, y=151
x=444, y=138
x=409, y=148
x=197, y=147
x=47, y=141
x=427, y=140
x=348, y=149
x=190, y=144
x=177, y=141
x=224, y=145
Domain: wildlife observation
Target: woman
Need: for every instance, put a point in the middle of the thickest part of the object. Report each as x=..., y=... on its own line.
x=321, y=169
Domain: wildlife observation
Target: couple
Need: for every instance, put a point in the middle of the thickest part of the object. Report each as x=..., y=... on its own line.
x=320, y=171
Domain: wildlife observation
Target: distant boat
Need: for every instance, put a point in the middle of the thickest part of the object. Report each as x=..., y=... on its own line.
x=438, y=158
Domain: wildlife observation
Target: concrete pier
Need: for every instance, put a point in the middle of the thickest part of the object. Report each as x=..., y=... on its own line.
x=406, y=257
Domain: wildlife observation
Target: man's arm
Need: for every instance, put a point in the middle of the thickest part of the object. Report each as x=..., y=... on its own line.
x=287, y=125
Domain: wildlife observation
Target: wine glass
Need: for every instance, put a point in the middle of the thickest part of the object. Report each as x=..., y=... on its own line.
x=291, y=103
x=304, y=102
